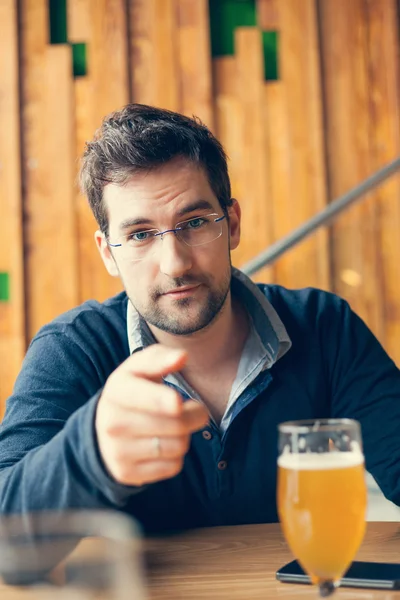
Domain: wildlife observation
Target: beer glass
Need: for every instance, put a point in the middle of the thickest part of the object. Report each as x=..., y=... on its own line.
x=322, y=496
x=74, y=555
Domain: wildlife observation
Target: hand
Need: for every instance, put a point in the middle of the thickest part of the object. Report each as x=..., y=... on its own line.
x=143, y=426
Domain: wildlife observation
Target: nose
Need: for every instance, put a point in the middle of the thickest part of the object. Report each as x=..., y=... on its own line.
x=175, y=256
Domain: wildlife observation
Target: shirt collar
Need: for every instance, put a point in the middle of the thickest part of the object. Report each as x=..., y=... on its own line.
x=267, y=323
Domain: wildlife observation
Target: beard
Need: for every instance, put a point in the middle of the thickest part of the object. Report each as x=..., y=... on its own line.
x=186, y=315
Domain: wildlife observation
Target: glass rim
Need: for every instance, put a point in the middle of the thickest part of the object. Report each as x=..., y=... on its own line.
x=118, y=241
x=317, y=425
x=80, y=522
x=126, y=253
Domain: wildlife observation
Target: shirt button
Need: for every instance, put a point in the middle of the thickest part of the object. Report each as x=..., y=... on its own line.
x=207, y=435
x=222, y=465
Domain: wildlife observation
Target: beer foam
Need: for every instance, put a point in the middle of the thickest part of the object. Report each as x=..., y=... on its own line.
x=313, y=461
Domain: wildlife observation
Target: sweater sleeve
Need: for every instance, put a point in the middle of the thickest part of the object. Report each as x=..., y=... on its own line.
x=49, y=457
x=365, y=385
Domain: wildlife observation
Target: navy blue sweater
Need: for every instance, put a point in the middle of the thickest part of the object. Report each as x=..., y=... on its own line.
x=48, y=452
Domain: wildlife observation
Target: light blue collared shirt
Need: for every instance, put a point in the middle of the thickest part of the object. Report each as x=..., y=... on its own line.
x=266, y=343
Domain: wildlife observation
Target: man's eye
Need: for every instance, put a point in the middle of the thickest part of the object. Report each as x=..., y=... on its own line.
x=139, y=236
x=195, y=223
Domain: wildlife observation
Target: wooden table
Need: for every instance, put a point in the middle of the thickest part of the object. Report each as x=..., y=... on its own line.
x=237, y=563
x=232, y=563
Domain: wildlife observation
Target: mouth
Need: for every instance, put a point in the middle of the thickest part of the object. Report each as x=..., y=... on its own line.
x=182, y=292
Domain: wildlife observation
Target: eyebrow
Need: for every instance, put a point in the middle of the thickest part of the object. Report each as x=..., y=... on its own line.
x=196, y=205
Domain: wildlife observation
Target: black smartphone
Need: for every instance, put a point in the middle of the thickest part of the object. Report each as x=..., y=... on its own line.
x=360, y=574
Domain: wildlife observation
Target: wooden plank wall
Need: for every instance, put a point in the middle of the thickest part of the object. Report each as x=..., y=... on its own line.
x=12, y=321
x=360, y=55
x=354, y=247
x=153, y=50
x=253, y=166
x=293, y=110
x=47, y=169
x=384, y=89
x=294, y=144
x=102, y=26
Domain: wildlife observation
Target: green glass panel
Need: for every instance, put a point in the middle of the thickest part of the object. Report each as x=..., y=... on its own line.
x=58, y=21
x=225, y=16
x=4, y=287
x=79, y=59
x=271, y=49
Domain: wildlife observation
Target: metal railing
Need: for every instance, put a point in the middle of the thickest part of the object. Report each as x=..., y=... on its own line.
x=322, y=218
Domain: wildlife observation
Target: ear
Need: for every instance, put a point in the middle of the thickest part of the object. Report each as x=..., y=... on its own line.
x=106, y=254
x=234, y=213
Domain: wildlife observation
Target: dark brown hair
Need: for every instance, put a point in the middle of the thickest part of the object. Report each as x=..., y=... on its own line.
x=140, y=138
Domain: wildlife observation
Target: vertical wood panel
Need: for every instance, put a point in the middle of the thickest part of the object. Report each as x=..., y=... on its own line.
x=268, y=14
x=357, y=272
x=384, y=89
x=280, y=172
x=229, y=117
x=80, y=31
x=165, y=73
x=34, y=40
x=104, y=90
x=154, y=53
x=90, y=268
x=47, y=113
x=55, y=218
x=256, y=199
x=12, y=322
x=50, y=232
x=195, y=60
x=78, y=21
x=300, y=73
x=141, y=51
x=34, y=32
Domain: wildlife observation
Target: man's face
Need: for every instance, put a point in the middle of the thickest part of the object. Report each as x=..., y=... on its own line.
x=177, y=288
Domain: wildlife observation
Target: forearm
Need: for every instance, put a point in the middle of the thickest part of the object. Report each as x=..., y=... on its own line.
x=64, y=473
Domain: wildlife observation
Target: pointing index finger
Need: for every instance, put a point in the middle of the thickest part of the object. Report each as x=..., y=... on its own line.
x=156, y=361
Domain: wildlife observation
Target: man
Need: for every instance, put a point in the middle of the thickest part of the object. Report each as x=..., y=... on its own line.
x=164, y=401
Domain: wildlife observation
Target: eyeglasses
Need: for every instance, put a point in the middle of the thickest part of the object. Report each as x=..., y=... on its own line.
x=197, y=231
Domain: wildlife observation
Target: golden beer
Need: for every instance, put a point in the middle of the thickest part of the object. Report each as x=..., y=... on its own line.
x=322, y=503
